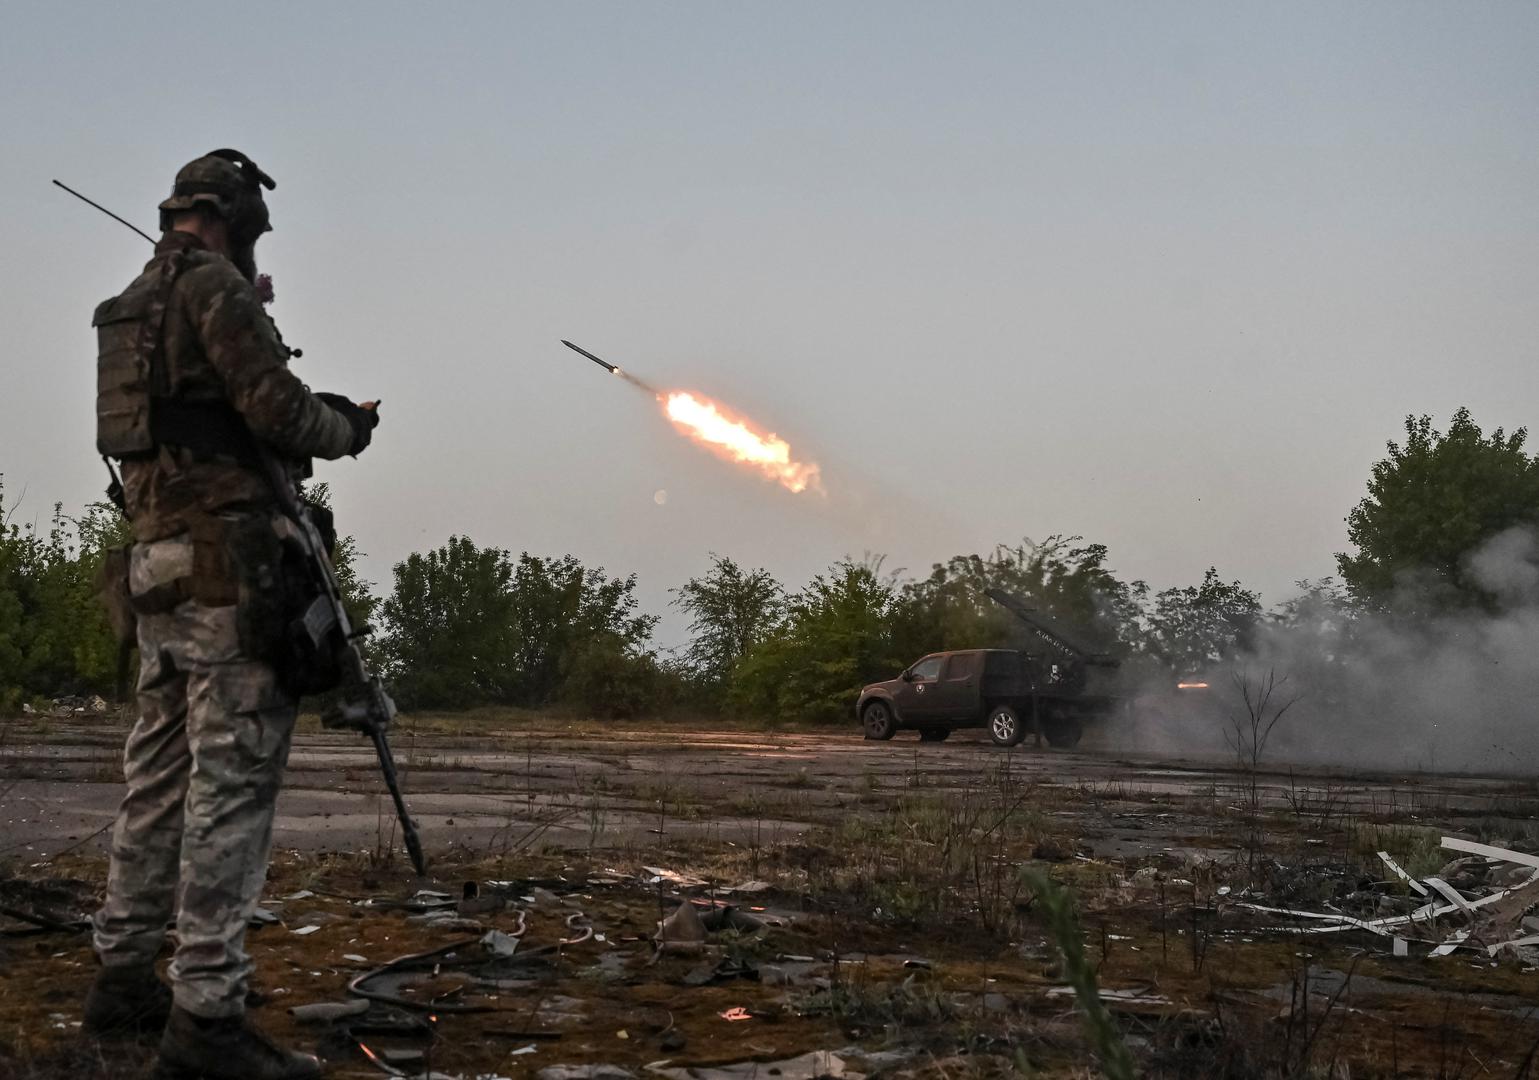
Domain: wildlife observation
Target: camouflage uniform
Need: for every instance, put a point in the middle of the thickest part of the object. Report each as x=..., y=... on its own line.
x=204, y=762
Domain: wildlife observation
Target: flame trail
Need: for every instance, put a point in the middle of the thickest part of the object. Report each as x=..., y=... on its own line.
x=733, y=439
x=725, y=435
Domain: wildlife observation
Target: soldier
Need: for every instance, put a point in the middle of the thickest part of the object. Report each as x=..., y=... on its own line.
x=191, y=374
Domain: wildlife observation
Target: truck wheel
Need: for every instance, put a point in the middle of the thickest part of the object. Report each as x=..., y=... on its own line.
x=934, y=734
x=1005, y=726
x=878, y=721
x=1063, y=732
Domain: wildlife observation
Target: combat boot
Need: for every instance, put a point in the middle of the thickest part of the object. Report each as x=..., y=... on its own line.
x=125, y=1002
x=198, y=1048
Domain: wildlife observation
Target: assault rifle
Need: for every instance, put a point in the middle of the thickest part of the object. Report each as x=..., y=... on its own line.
x=364, y=705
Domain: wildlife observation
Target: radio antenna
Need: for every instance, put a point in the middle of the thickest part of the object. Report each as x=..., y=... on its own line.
x=104, y=210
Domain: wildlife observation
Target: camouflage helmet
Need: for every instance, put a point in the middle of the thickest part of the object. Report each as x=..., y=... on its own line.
x=228, y=183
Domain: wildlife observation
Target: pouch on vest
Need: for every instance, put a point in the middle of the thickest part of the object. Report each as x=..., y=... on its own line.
x=160, y=574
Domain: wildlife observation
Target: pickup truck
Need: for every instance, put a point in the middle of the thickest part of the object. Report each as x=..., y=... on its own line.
x=991, y=688
x=1012, y=692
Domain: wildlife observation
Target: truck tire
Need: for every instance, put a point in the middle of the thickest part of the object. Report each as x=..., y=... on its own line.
x=1063, y=732
x=1005, y=726
x=934, y=734
x=878, y=721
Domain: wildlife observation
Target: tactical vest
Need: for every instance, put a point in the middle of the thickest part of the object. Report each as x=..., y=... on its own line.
x=135, y=407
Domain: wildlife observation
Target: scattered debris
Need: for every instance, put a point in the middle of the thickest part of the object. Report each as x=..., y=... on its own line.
x=584, y=1072
x=58, y=904
x=813, y=1066
x=749, y=888
x=328, y=1012
x=499, y=944
x=736, y=1013
x=681, y=929
x=1495, y=920
x=724, y=970
x=1135, y=996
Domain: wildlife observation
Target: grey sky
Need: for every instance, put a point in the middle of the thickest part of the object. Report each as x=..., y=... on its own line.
x=1166, y=275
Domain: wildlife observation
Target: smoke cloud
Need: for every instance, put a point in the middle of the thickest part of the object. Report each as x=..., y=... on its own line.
x=1452, y=693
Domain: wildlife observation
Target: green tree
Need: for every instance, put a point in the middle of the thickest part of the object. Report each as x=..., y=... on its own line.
x=836, y=638
x=731, y=611
x=607, y=678
x=1194, y=627
x=1431, y=502
x=450, y=640
x=561, y=606
x=1062, y=576
x=54, y=636
x=468, y=626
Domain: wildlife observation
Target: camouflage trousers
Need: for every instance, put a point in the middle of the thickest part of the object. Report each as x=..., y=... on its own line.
x=203, y=766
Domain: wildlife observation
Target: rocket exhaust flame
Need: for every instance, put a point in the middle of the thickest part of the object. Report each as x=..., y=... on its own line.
x=728, y=437
x=732, y=439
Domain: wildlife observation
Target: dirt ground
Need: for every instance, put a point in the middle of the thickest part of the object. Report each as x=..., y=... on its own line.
x=894, y=906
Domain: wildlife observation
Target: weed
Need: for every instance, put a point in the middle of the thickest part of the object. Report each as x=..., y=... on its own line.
x=1057, y=907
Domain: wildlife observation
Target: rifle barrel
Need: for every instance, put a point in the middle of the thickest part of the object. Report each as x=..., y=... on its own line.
x=408, y=827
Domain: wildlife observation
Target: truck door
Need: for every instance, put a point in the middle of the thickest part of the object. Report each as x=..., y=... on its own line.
x=956, y=696
x=914, y=698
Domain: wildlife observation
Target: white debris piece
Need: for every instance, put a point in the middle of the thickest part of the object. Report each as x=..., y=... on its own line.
x=1452, y=895
x=1401, y=874
x=499, y=944
x=1515, y=943
x=1501, y=854
x=1136, y=996
x=654, y=875
x=1453, y=942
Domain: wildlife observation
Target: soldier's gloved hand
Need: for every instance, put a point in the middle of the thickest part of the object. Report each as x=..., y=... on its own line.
x=364, y=418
